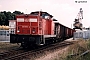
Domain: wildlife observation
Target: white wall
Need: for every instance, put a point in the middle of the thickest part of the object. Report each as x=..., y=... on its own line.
x=82, y=34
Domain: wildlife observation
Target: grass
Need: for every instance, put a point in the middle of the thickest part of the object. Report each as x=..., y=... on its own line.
x=74, y=51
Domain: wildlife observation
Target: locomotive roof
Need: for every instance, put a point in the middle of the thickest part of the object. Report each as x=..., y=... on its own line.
x=37, y=12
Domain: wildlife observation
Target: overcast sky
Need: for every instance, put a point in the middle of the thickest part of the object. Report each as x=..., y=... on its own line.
x=65, y=11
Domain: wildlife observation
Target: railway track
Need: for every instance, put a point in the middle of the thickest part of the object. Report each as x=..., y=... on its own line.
x=35, y=52
x=11, y=52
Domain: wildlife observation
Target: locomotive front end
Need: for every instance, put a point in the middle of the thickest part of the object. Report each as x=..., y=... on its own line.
x=36, y=28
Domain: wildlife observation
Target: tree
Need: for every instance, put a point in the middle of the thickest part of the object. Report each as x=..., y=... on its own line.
x=6, y=16
x=18, y=12
x=2, y=19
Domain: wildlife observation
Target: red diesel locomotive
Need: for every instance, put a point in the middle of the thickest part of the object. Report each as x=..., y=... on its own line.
x=38, y=28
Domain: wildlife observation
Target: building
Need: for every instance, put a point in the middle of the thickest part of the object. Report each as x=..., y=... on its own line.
x=12, y=26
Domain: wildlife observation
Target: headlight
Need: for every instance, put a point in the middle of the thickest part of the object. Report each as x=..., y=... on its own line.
x=33, y=31
x=18, y=31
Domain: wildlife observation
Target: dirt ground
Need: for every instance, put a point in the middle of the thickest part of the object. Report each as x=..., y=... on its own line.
x=52, y=56
x=56, y=54
x=5, y=46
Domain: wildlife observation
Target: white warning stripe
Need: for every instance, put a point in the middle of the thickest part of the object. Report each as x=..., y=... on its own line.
x=32, y=20
x=20, y=19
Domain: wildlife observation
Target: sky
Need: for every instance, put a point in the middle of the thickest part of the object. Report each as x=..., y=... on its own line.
x=65, y=11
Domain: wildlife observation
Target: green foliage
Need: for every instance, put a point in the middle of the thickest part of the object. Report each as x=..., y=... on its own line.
x=2, y=18
x=6, y=16
x=18, y=12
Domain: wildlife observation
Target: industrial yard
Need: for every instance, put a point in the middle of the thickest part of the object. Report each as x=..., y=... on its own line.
x=16, y=43
x=44, y=30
